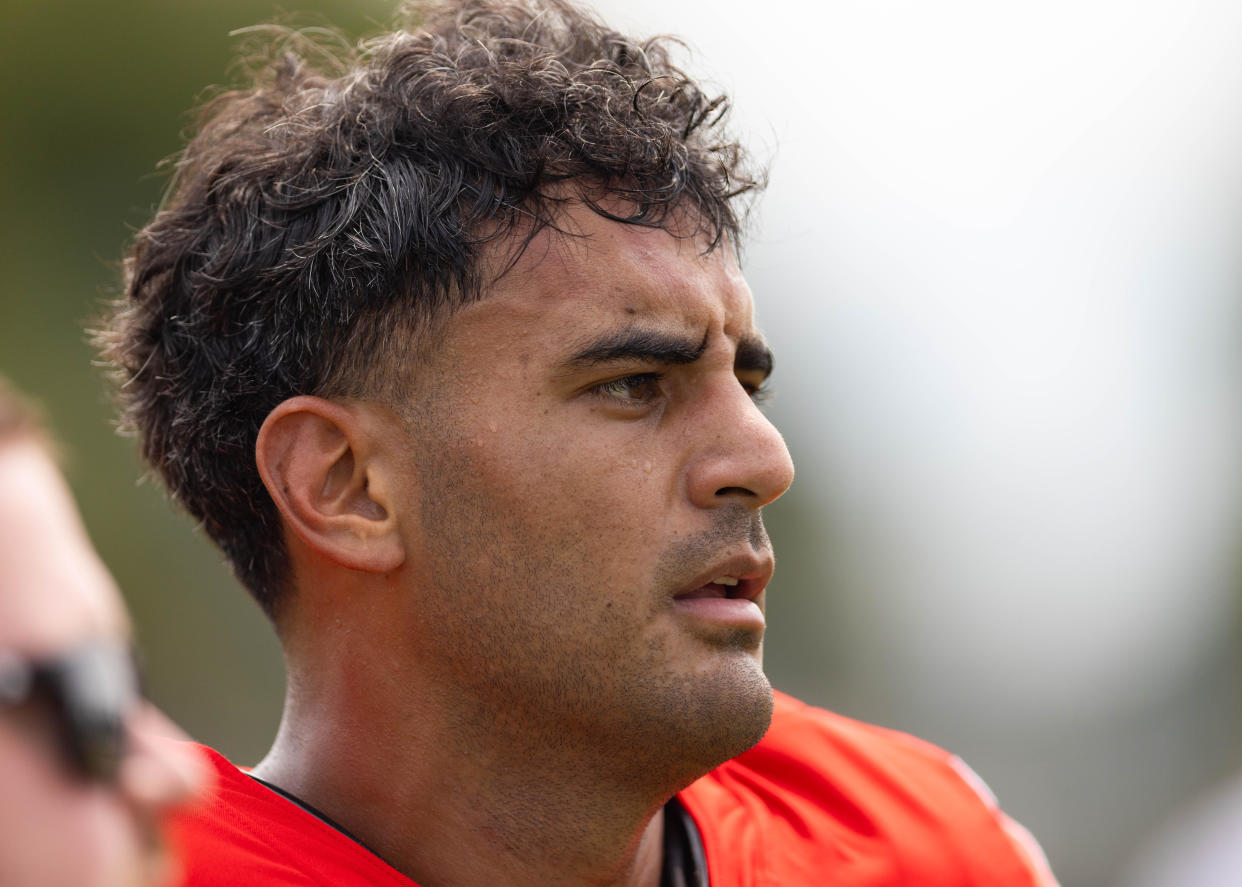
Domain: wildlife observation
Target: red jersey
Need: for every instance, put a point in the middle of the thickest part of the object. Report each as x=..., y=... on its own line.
x=821, y=800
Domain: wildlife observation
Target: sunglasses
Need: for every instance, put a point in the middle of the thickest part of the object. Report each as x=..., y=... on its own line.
x=92, y=688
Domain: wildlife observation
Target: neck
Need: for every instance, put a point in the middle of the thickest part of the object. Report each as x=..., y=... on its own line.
x=452, y=796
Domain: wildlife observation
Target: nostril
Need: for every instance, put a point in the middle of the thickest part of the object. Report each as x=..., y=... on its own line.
x=728, y=491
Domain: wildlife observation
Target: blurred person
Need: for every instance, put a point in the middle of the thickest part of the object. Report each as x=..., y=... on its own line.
x=444, y=342
x=87, y=768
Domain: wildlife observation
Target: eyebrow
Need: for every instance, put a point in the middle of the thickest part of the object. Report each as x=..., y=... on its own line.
x=638, y=344
x=650, y=346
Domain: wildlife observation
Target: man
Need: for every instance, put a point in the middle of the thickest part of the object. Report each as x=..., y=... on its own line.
x=446, y=345
x=85, y=779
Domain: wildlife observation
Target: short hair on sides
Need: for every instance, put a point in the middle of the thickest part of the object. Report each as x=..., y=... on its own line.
x=324, y=216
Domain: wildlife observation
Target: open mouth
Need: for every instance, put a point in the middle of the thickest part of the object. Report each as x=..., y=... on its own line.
x=728, y=587
x=727, y=601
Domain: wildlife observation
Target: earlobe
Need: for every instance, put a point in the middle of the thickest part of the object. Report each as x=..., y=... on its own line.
x=321, y=468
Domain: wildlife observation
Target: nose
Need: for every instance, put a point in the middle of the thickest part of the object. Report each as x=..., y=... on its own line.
x=161, y=770
x=740, y=457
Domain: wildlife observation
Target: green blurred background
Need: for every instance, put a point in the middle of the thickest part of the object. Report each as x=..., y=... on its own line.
x=94, y=98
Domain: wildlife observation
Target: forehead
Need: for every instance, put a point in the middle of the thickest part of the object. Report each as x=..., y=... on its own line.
x=54, y=590
x=601, y=271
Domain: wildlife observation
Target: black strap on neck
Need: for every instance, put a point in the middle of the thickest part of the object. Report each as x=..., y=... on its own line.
x=684, y=862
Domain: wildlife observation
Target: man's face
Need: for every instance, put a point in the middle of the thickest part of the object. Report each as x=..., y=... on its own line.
x=58, y=827
x=588, y=459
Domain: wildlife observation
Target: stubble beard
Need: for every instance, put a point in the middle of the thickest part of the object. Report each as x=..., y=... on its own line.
x=528, y=674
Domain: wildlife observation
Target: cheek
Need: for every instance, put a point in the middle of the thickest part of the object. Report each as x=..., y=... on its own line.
x=58, y=830
x=557, y=497
x=606, y=499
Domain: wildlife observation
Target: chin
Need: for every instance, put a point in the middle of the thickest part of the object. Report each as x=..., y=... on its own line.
x=744, y=712
x=708, y=718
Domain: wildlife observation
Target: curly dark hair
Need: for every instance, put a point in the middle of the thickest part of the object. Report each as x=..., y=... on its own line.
x=322, y=218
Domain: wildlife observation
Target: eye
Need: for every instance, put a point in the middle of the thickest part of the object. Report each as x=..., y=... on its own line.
x=638, y=389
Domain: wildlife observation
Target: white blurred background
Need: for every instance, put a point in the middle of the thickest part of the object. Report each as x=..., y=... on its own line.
x=1001, y=262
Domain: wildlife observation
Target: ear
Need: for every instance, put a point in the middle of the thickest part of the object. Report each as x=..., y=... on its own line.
x=321, y=467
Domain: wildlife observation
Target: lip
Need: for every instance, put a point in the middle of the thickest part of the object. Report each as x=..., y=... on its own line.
x=752, y=571
x=736, y=606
